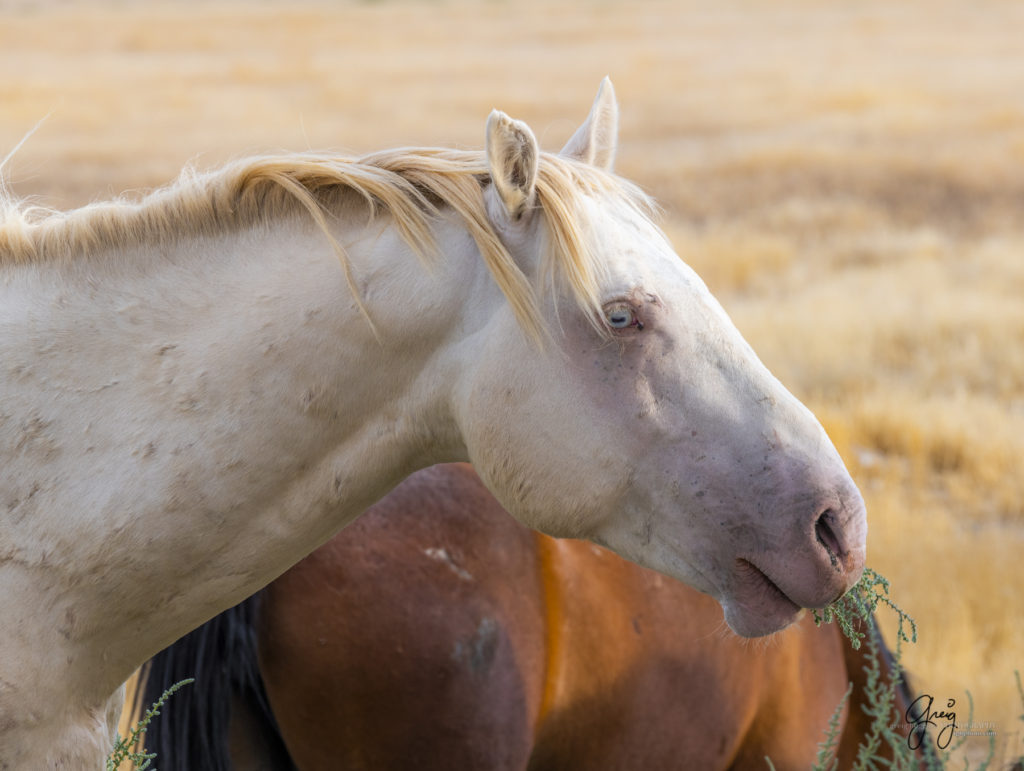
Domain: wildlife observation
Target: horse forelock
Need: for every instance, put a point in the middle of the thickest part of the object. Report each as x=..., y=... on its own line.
x=411, y=185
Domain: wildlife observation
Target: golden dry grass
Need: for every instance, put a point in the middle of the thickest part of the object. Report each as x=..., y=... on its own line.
x=848, y=177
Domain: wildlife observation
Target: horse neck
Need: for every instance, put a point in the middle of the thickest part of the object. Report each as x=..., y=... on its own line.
x=175, y=411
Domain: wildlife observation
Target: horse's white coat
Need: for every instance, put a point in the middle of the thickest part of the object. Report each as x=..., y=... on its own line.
x=180, y=424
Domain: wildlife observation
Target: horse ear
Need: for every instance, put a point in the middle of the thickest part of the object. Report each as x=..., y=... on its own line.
x=594, y=142
x=512, y=154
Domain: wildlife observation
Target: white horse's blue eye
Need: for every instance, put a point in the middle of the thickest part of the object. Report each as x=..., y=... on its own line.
x=619, y=318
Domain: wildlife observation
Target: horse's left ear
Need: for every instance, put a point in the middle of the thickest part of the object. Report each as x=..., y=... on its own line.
x=512, y=154
x=594, y=142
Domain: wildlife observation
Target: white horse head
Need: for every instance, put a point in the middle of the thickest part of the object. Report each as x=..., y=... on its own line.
x=650, y=426
x=192, y=399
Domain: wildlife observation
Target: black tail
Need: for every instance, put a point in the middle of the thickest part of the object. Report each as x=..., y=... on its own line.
x=193, y=728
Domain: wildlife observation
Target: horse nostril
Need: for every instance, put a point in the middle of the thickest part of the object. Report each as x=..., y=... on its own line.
x=827, y=537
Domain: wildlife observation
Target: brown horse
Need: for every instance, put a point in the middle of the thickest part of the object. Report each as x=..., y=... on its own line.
x=436, y=632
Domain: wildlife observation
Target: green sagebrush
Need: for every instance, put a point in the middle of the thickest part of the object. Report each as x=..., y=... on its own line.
x=854, y=610
x=125, y=748
x=854, y=613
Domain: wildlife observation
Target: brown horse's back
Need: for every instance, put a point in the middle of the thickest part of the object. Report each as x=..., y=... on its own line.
x=414, y=639
x=436, y=632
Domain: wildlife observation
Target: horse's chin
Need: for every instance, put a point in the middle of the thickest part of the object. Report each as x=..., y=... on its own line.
x=757, y=606
x=760, y=622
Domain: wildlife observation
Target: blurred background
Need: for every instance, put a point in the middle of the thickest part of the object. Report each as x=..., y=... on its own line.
x=848, y=177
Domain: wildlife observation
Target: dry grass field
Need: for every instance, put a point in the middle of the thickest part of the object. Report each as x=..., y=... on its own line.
x=848, y=177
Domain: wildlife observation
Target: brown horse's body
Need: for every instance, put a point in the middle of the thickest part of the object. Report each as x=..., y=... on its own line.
x=438, y=633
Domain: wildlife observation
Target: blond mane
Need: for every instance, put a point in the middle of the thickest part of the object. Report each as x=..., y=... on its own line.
x=411, y=185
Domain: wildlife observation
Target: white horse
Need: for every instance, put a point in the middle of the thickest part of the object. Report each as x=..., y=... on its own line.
x=199, y=388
